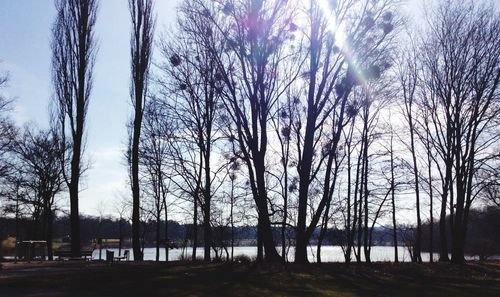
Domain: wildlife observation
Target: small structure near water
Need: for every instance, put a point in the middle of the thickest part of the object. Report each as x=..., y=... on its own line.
x=31, y=250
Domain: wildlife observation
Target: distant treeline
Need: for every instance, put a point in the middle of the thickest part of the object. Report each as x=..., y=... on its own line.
x=483, y=236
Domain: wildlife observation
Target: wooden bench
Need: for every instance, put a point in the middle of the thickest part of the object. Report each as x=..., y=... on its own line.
x=65, y=254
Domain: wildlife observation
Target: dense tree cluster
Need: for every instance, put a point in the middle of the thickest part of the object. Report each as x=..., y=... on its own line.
x=298, y=117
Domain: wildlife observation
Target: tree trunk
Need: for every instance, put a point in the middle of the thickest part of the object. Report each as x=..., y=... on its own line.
x=260, y=247
x=120, y=247
x=393, y=189
x=207, y=229
x=73, y=198
x=135, y=176
x=457, y=255
x=265, y=231
x=17, y=221
x=285, y=215
x=304, y=176
x=457, y=251
x=443, y=246
x=158, y=224
x=324, y=228
x=418, y=243
x=349, y=229
x=195, y=228
x=366, y=193
x=431, y=214
x=358, y=205
x=167, y=242
x=207, y=233
x=232, y=219
x=50, y=222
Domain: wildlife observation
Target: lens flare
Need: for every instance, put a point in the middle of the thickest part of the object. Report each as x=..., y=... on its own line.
x=337, y=27
x=334, y=26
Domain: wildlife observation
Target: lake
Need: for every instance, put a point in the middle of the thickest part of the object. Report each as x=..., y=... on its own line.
x=328, y=253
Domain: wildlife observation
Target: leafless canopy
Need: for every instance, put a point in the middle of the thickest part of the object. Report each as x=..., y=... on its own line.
x=73, y=56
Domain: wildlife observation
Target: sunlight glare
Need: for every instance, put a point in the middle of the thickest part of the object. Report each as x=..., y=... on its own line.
x=337, y=29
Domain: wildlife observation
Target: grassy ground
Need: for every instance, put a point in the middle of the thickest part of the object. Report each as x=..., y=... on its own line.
x=188, y=279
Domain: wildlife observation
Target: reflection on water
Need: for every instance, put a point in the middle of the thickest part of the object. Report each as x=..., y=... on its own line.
x=328, y=253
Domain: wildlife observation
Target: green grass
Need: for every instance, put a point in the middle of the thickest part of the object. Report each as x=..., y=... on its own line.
x=188, y=279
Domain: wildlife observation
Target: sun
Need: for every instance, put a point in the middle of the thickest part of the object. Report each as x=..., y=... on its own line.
x=337, y=28
x=334, y=26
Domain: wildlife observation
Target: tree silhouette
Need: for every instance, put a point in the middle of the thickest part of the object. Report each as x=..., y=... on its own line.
x=193, y=84
x=461, y=55
x=40, y=154
x=333, y=70
x=141, y=43
x=73, y=55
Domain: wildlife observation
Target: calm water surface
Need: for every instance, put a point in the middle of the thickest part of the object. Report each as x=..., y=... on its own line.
x=328, y=253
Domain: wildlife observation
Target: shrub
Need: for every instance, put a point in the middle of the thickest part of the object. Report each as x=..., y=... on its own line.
x=244, y=259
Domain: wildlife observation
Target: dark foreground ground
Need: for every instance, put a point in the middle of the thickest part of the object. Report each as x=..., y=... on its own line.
x=188, y=279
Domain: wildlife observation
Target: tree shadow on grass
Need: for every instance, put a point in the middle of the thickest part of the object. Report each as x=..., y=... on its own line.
x=188, y=279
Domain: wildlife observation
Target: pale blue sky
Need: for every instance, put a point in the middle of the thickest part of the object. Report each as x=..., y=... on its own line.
x=25, y=53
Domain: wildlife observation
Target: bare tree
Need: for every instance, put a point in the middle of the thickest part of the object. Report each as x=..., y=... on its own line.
x=392, y=181
x=121, y=208
x=40, y=154
x=11, y=189
x=492, y=193
x=255, y=32
x=282, y=124
x=193, y=80
x=141, y=42
x=372, y=194
x=408, y=74
x=351, y=217
x=425, y=138
x=334, y=69
x=73, y=55
x=7, y=128
x=460, y=58
x=153, y=160
x=232, y=202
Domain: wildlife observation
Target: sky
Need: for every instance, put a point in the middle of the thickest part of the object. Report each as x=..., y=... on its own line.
x=25, y=32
